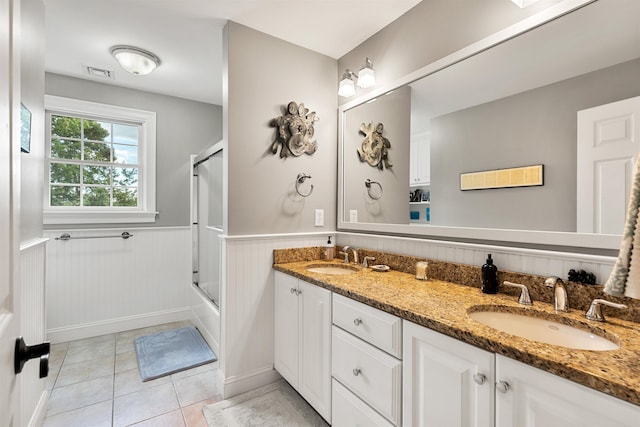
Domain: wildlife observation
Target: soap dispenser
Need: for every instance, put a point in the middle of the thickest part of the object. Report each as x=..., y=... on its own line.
x=329, y=250
x=489, y=277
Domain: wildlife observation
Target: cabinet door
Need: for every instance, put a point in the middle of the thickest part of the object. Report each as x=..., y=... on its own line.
x=445, y=382
x=314, y=381
x=420, y=158
x=539, y=399
x=285, y=359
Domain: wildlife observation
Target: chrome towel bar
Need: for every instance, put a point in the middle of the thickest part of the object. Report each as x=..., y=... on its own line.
x=125, y=235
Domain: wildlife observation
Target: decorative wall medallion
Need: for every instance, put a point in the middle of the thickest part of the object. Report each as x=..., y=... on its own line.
x=294, y=131
x=375, y=147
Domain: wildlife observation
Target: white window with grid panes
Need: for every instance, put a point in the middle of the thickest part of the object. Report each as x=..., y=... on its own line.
x=100, y=163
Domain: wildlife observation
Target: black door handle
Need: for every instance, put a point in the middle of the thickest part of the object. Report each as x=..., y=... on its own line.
x=26, y=352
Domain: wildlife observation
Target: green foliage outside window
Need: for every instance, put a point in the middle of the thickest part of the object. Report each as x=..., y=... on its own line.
x=83, y=158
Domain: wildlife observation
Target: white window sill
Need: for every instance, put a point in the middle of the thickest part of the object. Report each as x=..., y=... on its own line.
x=57, y=217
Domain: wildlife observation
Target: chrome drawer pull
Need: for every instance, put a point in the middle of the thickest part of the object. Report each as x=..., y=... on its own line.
x=357, y=321
x=356, y=371
x=480, y=378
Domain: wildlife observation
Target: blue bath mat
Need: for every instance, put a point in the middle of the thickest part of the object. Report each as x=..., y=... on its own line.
x=172, y=351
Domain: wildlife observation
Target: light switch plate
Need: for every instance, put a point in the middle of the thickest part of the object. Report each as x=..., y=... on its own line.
x=353, y=215
x=319, y=217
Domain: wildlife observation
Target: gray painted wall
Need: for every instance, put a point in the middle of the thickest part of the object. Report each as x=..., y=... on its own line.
x=184, y=127
x=32, y=88
x=393, y=111
x=432, y=30
x=537, y=126
x=265, y=73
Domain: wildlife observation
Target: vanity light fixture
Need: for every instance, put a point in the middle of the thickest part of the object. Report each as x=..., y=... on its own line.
x=347, y=87
x=365, y=77
x=137, y=61
x=524, y=3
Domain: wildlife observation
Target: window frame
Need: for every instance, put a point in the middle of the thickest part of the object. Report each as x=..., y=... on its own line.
x=146, y=211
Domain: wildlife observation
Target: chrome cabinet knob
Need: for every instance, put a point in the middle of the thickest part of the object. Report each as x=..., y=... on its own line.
x=502, y=386
x=356, y=371
x=480, y=378
x=357, y=321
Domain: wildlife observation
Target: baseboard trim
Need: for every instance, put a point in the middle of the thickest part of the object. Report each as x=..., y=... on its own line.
x=240, y=384
x=40, y=411
x=87, y=330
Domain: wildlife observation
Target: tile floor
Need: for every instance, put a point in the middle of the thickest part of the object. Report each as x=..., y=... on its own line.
x=95, y=382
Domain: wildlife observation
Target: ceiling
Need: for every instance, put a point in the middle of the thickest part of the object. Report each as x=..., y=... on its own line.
x=187, y=35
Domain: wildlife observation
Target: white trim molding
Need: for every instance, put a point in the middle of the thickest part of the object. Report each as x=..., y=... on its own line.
x=146, y=212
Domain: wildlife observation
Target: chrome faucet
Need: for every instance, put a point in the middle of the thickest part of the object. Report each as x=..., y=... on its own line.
x=595, y=312
x=560, y=300
x=345, y=252
x=525, y=297
x=356, y=260
x=365, y=261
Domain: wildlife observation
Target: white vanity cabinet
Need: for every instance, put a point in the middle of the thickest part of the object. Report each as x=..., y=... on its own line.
x=445, y=382
x=527, y=396
x=366, y=365
x=302, y=353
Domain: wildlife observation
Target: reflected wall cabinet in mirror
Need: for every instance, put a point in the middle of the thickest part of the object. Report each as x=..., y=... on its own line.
x=508, y=101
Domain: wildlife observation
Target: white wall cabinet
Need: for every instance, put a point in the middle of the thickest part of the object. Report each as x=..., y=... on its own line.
x=303, y=340
x=535, y=398
x=445, y=382
x=420, y=159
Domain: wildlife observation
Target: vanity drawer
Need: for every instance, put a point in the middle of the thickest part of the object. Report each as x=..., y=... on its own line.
x=370, y=373
x=349, y=411
x=381, y=329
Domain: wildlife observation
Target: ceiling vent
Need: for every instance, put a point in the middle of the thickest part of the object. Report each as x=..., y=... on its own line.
x=98, y=72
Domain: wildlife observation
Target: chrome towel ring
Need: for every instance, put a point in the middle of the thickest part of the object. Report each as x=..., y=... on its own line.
x=300, y=180
x=375, y=195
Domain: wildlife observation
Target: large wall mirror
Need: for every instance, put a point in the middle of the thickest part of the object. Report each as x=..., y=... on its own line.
x=509, y=101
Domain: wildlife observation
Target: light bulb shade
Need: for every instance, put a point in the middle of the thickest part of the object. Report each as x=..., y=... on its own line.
x=524, y=3
x=347, y=88
x=135, y=60
x=366, y=76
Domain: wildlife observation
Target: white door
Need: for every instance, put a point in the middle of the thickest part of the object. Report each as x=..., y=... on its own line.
x=9, y=302
x=608, y=143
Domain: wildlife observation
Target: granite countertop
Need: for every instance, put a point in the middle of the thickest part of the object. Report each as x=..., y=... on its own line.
x=444, y=307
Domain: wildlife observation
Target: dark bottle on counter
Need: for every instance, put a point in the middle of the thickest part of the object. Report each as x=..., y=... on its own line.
x=489, y=277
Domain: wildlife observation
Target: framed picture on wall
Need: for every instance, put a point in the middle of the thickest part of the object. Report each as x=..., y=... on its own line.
x=25, y=129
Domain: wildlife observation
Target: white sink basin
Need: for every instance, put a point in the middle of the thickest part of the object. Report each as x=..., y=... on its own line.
x=334, y=269
x=542, y=330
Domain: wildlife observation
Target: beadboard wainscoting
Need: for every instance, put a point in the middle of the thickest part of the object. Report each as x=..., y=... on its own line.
x=530, y=261
x=32, y=296
x=247, y=298
x=97, y=286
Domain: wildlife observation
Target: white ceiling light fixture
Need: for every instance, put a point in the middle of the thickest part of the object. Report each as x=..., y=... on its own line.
x=137, y=61
x=365, y=77
x=524, y=3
